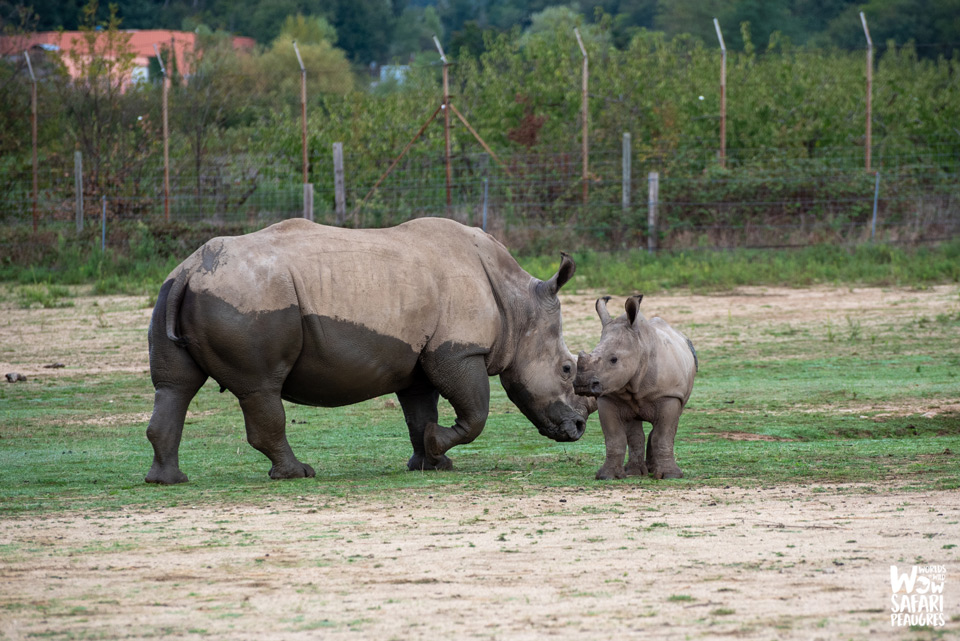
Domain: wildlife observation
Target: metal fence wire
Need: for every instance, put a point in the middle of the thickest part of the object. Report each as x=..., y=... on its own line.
x=534, y=201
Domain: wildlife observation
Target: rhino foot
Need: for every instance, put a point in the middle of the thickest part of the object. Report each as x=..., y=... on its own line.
x=297, y=470
x=667, y=473
x=636, y=470
x=165, y=476
x=608, y=474
x=422, y=462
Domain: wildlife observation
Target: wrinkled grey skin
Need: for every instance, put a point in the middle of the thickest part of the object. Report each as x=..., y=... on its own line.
x=641, y=370
x=327, y=317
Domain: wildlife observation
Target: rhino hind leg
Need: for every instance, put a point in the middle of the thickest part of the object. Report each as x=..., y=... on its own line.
x=419, y=403
x=164, y=432
x=265, y=421
x=176, y=380
x=661, y=462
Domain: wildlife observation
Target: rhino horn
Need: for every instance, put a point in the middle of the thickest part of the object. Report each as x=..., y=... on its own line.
x=602, y=311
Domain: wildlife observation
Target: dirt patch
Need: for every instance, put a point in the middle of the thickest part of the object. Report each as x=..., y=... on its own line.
x=792, y=562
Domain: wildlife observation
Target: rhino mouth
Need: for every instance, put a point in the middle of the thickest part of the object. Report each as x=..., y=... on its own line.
x=565, y=431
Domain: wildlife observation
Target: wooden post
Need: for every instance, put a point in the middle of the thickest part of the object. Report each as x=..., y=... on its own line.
x=78, y=186
x=33, y=131
x=868, y=143
x=446, y=119
x=654, y=196
x=585, y=117
x=307, y=187
x=339, y=193
x=166, y=136
x=625, y=174
x=723, y=95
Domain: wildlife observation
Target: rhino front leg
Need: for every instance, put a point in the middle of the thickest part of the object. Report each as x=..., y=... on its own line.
x=661, y=463
x=419, y=403
x=467, y=386
x=265, y=420
x=636, y=459
x=614, y=440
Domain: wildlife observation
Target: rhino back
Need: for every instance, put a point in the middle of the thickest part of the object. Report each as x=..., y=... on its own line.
x=672, y=364
x=417, y=282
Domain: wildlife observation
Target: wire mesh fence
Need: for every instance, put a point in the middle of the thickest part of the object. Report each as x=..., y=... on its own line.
x=534, y=201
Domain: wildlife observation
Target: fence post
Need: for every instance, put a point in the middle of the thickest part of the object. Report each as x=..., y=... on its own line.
x=868, y=143
x=445, y=105
x=307, y=187
x=723, y=95
x=876, y=196
x=486, y=185
x=103, y=225
x=585, y=117
x=340, y=197
x=166, y=131
x=78, y=187
x=33, y=131
x=626, y=174
x=308, y=201
x=654, y=183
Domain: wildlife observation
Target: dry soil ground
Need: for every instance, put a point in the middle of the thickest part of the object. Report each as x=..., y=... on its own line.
x=624, y=561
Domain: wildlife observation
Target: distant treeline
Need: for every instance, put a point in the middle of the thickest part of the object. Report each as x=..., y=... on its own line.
x=384, y=31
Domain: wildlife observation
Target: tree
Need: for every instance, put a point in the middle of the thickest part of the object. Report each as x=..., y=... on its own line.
x=204, y=104
x=276, y=72
x=112, y=122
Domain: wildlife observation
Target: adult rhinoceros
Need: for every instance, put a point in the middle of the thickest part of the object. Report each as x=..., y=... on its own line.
x=328, y=317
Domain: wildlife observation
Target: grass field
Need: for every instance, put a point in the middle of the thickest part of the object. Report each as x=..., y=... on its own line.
x=782, y=402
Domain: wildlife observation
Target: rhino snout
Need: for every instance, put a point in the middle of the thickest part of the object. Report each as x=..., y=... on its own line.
x=569, y=430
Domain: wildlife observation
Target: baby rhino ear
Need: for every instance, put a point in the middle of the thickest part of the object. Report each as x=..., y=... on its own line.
x=633, y=308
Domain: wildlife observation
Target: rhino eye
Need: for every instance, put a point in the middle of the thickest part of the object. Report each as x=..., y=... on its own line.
x=567, y=369
x=613, y=360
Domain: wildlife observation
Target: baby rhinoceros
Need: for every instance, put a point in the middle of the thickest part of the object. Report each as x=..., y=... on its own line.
x=641, y=370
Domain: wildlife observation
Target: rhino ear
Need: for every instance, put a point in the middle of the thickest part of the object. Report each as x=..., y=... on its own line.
x=602, y=310
x=632, y=306
x=564, y=274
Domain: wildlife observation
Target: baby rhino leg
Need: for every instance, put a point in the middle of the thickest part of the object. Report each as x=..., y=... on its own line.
x=636, y=461
x=661, y=463
x=614, y=438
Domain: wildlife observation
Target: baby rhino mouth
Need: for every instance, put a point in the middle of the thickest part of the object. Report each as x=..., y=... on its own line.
x=588, y=386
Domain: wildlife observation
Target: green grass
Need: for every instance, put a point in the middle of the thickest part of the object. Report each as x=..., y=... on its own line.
x=79, y=442
x=639, y=271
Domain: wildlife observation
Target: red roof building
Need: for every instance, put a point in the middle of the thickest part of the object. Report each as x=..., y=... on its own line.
x=141, y=43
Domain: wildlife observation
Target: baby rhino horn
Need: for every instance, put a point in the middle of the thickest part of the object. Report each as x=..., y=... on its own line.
x=602, y=310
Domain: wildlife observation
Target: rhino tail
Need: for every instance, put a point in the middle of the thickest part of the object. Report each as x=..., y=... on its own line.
x=696, y=361
x=174, y=300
